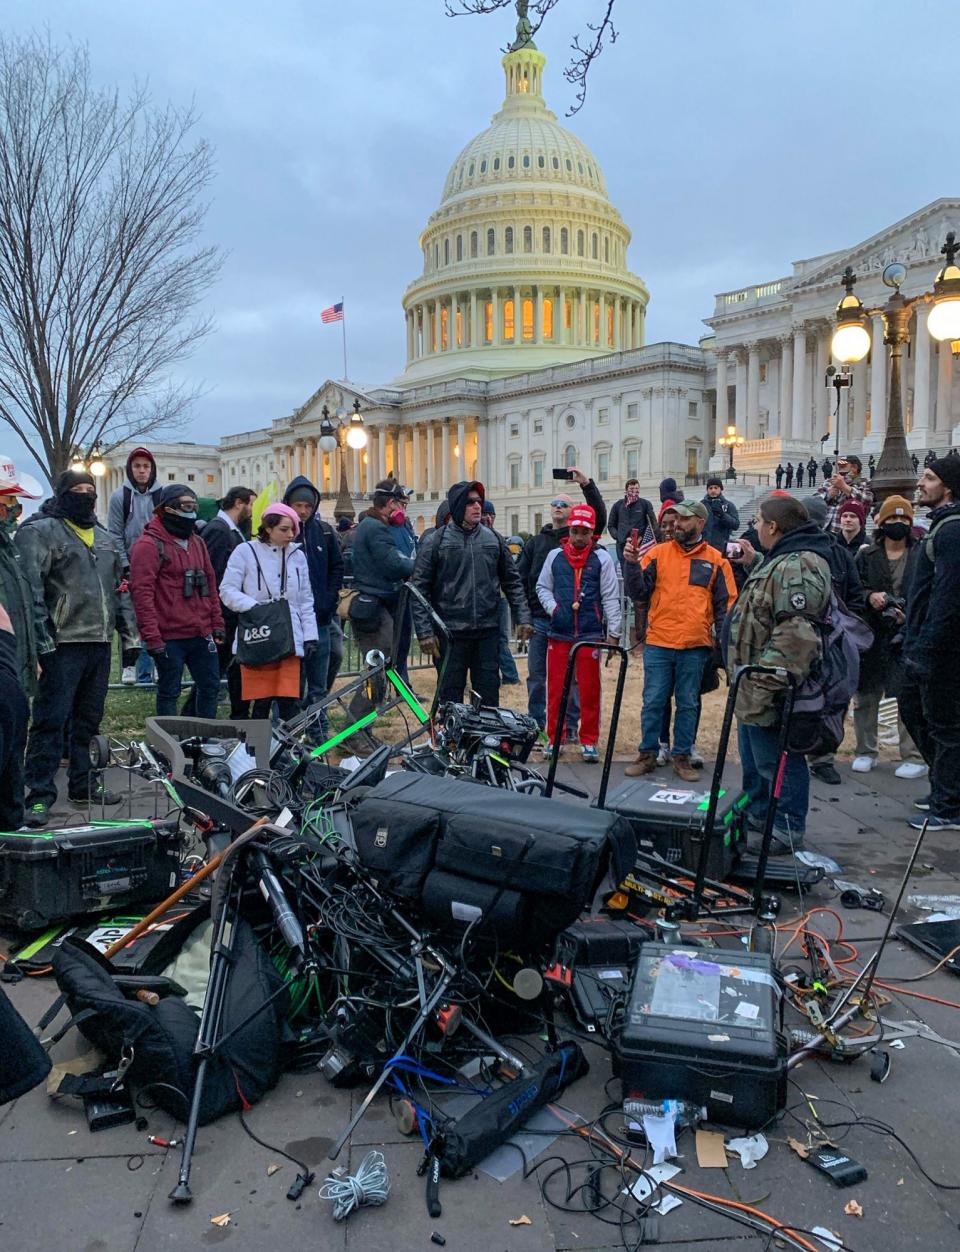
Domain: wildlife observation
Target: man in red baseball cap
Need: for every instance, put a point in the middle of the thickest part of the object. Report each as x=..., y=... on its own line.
x=578, y=590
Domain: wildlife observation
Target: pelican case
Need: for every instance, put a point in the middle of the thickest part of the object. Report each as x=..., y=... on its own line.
x=705, y=1025
x=50, y=875
x=670, y=821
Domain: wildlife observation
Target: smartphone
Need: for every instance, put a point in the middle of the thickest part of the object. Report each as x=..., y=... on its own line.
x=562, y=474
x=635, y=537
x=734, y=549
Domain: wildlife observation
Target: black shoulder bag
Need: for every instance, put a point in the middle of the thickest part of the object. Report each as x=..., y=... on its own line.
x=265, y=632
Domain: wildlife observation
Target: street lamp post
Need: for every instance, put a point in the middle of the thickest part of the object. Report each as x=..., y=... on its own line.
x=731, y=440
x=895, y=474
x=331, y=439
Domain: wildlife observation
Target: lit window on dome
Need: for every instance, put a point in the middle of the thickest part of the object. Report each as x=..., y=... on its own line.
x=528, y=238
x=483, y=167
x=541, y=161
x=527, y=318
x=564, y=240
x=556, y=163
x=525, y=81
x=609, y=325
x=444, y=324
x=459, y=327
x=595, y=337
x=526, y=161
x=508, y=239
x=491, y=241
x=548, y=319
x=508, y=327
x=474, y=243
x=567, y=315
x=488, y=322
x=496, y=163
x=511, y=162
x=546, y=239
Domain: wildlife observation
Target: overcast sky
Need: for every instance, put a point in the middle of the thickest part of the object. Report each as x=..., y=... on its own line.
x=735, y=138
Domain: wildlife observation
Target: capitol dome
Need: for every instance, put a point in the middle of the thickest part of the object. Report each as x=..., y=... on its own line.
x=525, y=259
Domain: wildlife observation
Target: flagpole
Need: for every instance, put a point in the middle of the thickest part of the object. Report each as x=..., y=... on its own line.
x=343, y=327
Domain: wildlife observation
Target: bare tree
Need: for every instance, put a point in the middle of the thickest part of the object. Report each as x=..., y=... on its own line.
x=101, y=266
x=583, y=54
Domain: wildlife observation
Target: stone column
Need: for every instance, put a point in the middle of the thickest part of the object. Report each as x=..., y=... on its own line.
x=356, y=469
x=517, y=317
x=723, y=402
x=559, y=326
x=800, y=420
x=454, y=308
x=446, y=482
x=462, y=440
x=538, y=316
x=381, y=453
x=740, y=408
x=921, y=370
x=409, y=335
x=417, y=466
x=859, y=389
x=431, y=460
x=878, y=378
x=584, y=321
x=497, y=317
x=603, y=321
x=786, y=386
x=752, y=425
x=471, y=339
x=821, y=391
x=944, y=388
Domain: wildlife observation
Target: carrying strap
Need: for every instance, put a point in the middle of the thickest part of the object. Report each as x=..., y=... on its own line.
x=928, y=548
x=283, y=572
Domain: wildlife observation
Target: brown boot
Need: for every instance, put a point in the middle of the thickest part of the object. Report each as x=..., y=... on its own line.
x=683, y=769
x=645, y=763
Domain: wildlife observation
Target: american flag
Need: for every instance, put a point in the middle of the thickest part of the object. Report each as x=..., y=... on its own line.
x=333, y=314
x=648, y=541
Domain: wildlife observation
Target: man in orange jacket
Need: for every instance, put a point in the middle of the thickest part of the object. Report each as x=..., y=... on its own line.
x=690, y=587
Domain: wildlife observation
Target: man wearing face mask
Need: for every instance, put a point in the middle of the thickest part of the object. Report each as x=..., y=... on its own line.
x=176, y=601
x=75, y=571
x=461, y=571
x=690, y=589
x=886, y=571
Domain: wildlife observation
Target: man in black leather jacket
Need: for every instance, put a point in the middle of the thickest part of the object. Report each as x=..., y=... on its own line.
x=461, y=571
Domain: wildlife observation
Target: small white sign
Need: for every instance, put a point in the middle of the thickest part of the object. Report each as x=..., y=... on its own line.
x=672, y=797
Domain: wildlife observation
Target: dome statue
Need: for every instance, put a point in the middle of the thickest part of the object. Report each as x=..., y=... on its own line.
x=525, y=258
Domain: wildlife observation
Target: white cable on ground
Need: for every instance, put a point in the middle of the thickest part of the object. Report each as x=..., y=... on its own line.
x=369, y=1185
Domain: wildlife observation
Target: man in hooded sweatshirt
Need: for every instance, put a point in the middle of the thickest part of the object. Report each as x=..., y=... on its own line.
x=461, y=571
x=325, y=562
x=176, y=601
x=75, y=571
x=131, y=506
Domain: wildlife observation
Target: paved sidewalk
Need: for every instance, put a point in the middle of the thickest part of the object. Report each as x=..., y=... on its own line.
x=64, y=1190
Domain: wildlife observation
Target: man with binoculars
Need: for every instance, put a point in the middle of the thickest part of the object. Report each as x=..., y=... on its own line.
x=176, y=602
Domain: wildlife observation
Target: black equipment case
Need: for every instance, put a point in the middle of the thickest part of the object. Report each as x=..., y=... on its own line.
x=526, y=865
x=48, y=876
x=705, y=1025
x=670, y=821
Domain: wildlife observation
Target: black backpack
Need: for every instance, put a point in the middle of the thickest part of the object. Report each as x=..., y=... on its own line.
x=822, y=699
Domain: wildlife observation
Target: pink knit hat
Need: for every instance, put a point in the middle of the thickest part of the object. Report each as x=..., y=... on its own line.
x=284, y=510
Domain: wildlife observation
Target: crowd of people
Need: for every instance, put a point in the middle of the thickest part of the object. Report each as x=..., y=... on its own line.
x=263, y=612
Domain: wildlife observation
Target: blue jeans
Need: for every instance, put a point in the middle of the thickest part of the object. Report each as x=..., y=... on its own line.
x=315, y=670
x=676, y=670
x=144, y=669
x=537, y=687
x=199, y=655
x=760, y=759
x=508, y=666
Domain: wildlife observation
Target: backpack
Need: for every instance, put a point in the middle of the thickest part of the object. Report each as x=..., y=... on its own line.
x=926, y=543
x=822, y=699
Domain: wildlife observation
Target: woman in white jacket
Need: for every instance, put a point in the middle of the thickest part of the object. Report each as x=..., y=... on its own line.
x=267, y=568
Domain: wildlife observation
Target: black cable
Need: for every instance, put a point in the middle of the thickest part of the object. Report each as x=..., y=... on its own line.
x=305, y=1172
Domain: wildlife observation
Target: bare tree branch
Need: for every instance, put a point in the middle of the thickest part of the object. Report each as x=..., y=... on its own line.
x=102, y=204
x=583, y=54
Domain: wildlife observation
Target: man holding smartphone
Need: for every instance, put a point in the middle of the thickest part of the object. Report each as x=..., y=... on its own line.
x=534, y=553
x=847, y=484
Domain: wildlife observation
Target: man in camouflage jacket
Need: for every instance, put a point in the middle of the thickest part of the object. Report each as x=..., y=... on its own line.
x=787, y=589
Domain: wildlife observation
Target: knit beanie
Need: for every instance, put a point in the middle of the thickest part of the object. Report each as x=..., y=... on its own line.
x=895, y=506
x=73, y=478
x=855, y=507
x=947, y=469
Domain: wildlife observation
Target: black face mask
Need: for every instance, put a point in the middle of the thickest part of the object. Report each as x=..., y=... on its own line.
x=896, y=530
x=78, y=507
x=179, y=526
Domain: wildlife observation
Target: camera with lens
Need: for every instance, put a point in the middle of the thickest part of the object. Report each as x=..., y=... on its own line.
x=466, y=728
x=195, y=580
x=894, y=608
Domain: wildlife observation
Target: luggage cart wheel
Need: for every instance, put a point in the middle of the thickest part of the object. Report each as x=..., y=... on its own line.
x=99, y=752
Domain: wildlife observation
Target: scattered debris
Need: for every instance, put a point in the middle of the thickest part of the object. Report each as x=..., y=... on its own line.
x=828, y=1238
x=521, y=1221
x=802, y=1149
x=710, y=1150
x=853, y=1209
x=273, y=1169
x=222, y=1220
x=750, y=1149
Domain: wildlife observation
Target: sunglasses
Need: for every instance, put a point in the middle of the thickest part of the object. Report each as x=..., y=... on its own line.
x=474, y=499
x=560, y=504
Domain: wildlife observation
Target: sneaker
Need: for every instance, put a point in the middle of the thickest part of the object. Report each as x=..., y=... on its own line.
x=863, y=764
x=911, y=769
x=99, y=795
x=935, y=823
x=826, y=772
x=591, y=754
x=663, y=754
x=35, y=817
x=683, y=769
x=643, y=763
x=696, y=760
x=129, y=675
x=923, y=804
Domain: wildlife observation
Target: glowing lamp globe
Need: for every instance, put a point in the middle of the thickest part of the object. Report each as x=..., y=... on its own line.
x=850, y=343
x=944, y=320
x=356, y=435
